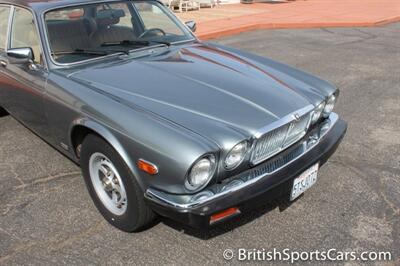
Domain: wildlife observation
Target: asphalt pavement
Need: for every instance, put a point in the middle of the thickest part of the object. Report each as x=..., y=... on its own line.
x=47, y=217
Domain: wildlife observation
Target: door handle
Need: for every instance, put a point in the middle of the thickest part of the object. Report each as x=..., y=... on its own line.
x=3, y=63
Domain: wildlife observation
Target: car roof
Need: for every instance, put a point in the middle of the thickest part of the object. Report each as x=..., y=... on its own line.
x=42, y=5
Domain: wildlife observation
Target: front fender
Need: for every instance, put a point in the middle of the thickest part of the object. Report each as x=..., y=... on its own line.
x=173, y=150
x=110, y=137
x=132, y=131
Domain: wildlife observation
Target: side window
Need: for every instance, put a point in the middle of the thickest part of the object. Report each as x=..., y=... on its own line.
x=4, y=16
x=24, y=33
x=66, y=14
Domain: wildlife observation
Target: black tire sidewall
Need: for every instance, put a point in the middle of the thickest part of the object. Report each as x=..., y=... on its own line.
x=129, y=221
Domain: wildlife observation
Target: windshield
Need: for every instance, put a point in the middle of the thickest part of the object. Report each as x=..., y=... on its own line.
x=95, y=30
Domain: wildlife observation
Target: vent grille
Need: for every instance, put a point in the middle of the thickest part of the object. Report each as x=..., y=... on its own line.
x=280, y=138
x=297, y=130
x=279, y=162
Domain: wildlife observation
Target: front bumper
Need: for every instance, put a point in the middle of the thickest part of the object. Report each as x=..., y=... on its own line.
x=256, y=186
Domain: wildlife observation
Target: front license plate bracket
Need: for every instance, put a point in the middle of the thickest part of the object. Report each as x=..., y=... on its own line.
x=304, y=181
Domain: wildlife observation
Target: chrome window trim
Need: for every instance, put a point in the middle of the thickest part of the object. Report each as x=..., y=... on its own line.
x=167, y=199
x=10, y=20
x=8, y=25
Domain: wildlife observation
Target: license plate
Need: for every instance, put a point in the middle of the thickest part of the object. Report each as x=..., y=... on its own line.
x=306, y=180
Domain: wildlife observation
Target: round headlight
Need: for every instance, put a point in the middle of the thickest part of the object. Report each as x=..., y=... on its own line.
x=317, y=112
x=201, y=173
x=236, y=155
x=330, y=104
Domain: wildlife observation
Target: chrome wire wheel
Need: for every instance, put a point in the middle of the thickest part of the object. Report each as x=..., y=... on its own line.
x=108, y=184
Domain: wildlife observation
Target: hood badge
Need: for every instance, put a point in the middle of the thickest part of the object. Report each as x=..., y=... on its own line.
x=296, y=117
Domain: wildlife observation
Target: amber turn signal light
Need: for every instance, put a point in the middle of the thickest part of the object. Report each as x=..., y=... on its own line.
x=224, y=214
x=147, y=167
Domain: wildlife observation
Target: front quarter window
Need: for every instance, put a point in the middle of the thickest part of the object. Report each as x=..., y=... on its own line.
x=24, y=33
x=91, y=31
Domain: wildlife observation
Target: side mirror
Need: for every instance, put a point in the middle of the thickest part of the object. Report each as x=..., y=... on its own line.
x=20, y=55
x=191, y=25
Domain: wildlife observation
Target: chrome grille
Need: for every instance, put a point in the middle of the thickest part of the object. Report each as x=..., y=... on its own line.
x=297, y=130
x=280, y=138
x=277, y=163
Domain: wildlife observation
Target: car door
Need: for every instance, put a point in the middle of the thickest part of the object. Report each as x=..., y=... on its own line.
x=23, y=85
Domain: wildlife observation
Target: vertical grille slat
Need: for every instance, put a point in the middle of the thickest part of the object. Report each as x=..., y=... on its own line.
x=280, y=138
x=298, y=130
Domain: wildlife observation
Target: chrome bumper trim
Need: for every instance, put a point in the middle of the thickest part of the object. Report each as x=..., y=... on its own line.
x=240, y=181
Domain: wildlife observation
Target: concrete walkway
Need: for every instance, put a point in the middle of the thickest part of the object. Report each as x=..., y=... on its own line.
x=233, y=19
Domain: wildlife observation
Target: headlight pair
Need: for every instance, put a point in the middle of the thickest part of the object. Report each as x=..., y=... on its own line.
x=330, y=104
x=203, y=170
x=324, y=109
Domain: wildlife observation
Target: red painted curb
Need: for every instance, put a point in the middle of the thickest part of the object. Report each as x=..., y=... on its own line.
x=249, y=27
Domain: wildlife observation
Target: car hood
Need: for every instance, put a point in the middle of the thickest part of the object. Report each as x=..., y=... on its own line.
x=203, y=88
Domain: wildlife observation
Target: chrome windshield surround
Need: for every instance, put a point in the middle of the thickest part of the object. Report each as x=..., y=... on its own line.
x=281, y=134
x=246, y=178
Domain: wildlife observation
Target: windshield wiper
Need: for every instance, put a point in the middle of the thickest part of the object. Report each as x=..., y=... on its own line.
x=162, y=42
x=135, y=42
x=126, y=43
x=100, y=52
x=93, y=52
x=80, y=51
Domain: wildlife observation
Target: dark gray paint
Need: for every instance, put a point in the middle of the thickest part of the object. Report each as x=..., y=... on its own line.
x=358, y=188
x=169, y=108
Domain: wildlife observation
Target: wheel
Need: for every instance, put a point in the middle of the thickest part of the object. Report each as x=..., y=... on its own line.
x=112, y=186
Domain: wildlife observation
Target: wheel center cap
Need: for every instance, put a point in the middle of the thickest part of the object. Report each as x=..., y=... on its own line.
x=107, y=184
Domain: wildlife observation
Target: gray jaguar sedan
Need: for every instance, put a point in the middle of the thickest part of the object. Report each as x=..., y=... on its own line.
x=160, y=122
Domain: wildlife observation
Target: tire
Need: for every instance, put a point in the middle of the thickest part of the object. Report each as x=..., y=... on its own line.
x=128, y=215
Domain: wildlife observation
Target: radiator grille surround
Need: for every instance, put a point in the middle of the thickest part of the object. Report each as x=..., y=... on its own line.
x=281, y=137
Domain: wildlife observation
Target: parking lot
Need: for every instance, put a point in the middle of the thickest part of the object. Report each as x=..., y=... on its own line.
x=47, y=216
